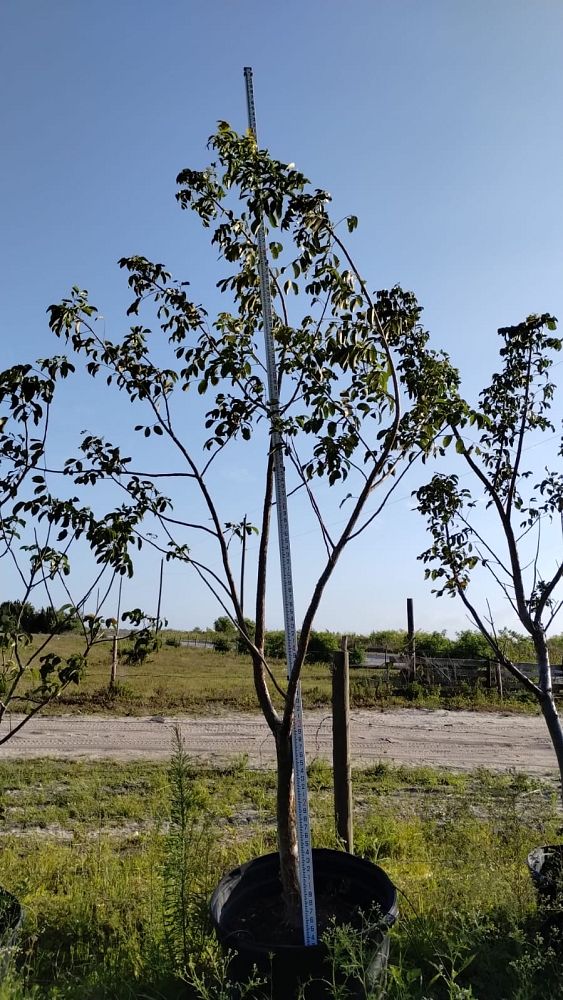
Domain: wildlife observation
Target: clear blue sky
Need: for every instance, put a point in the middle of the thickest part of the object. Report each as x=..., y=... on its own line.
x=439, y=124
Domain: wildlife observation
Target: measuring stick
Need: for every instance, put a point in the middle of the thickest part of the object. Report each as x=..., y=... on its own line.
x=299, y=763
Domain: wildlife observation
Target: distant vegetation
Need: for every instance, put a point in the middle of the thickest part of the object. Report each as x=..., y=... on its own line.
x=467, y=644
x=22, y=616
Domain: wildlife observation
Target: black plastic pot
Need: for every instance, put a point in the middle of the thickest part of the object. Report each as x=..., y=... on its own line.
x=366, y=890
x=546, y=868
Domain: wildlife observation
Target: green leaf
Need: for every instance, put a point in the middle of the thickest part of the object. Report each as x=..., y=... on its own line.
x=460, y=447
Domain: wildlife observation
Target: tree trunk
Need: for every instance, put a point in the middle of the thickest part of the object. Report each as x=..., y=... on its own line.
x=287, y=830
x=553, y=722
x=547, y=701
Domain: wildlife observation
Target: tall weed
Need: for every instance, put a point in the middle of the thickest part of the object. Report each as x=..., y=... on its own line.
x=186, y=869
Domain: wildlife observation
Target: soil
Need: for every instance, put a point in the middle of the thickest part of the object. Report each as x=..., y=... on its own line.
x=265, y=922
x=456, y=740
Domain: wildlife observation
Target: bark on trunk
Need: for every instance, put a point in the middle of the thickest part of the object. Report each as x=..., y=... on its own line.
x=553, y=723
x=287, y=830
x=547, y=701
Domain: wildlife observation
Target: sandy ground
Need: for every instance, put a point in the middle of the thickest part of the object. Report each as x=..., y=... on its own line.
x=457, y=740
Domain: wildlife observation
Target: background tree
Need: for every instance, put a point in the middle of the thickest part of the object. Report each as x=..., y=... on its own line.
x=40, y=620
x=361, y=397
x=512, y=543
x=225, y=625
x=38, y=531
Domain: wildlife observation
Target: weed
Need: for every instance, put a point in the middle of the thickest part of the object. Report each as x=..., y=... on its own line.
x=94, y=886
x=358, y=958
x=211, y=980
x=186, y=868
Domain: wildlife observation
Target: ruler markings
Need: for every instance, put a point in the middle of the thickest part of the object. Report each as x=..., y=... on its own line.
x=298, y=745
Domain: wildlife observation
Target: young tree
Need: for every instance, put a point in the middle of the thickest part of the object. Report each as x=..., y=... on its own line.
x=513, y=410
x=38, y=530
x=361, y=396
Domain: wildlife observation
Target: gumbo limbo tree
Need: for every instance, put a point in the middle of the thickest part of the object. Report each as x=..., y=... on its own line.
x=39, y=532
x=508, y=535
x=361, y=397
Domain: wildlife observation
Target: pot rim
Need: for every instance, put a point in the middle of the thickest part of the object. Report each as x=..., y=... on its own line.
x=268, y=861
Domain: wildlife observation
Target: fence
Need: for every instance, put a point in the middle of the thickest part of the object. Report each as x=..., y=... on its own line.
x=453, y=673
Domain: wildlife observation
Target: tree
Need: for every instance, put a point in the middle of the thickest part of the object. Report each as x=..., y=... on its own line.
x=225, y=625
x=362, y=396
x=38, y=531
x=514, y=409
x=47, y=619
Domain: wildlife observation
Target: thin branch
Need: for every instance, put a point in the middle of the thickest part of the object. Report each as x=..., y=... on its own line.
x=328, y=542
x=386, y=497
x=186, y=524
x=547, y=592
x=460, y=590
x=523, y=612
x=485, y=545
x=521, y=434
x=200, y=570
x=554, y=615
x=536, y=558
x=502, y=585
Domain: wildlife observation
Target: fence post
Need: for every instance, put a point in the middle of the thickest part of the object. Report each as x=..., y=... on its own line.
x=499, y=681
x=411, y=639
x=341, y=763
x=115, y=642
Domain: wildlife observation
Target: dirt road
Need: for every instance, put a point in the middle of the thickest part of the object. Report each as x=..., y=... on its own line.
x=457, y=740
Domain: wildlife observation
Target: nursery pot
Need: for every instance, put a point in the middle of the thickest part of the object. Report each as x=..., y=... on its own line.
x=247, y=913
x=546, y=868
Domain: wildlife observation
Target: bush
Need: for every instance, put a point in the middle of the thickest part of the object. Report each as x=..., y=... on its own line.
x=470, y=645
x=274, y=645
x=433, y=644
x=322, y=646
x=356, y=656
x=224, y=625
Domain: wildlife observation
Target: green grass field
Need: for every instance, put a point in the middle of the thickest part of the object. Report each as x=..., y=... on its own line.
x=86, y=847
x=178, y=679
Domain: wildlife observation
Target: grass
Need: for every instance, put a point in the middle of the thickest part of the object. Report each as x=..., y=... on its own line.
x=179, y=679
x=84, y=847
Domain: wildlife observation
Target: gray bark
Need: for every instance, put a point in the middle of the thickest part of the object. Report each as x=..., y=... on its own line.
x=547, y=701
x=287, y=829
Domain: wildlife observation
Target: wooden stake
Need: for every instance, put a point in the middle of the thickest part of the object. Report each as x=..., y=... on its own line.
x=159, y=598
x=114, y=658
x=499, y=681
x=411, y=638
x=341, y=761
x=242, y=563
